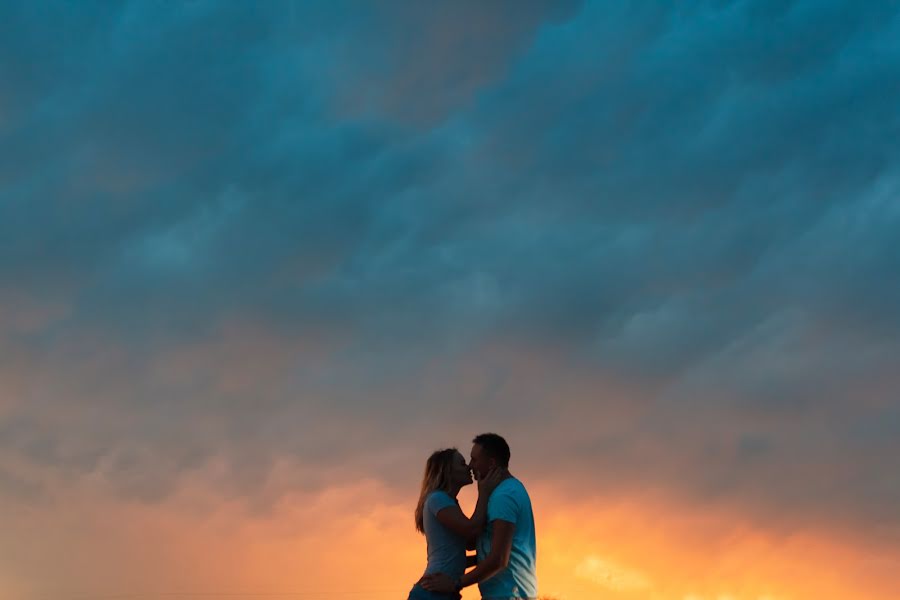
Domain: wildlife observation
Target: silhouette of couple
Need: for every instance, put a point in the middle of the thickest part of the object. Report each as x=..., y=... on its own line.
x=500, y=530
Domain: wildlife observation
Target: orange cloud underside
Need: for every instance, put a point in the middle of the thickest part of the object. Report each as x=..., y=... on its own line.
x=628, y=549
x=358, y=539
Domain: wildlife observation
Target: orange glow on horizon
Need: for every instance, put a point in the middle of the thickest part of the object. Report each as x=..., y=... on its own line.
x=358, y=538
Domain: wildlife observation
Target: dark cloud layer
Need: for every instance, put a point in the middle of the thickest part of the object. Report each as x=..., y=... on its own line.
x=282, y=229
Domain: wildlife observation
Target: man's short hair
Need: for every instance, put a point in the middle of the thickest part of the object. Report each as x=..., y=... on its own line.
x=495, y=447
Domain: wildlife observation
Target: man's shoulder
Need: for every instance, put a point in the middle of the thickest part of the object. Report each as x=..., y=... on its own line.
x=512, y=486
x=509, y=492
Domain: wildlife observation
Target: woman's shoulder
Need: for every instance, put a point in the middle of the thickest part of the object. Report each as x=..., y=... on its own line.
x=439, y=498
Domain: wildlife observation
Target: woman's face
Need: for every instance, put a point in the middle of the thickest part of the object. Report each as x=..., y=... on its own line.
x=460, y=472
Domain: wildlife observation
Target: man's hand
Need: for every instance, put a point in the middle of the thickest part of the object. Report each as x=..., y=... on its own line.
x=439, y=583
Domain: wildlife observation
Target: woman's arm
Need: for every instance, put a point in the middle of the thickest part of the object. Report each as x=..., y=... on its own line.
x=467, y=528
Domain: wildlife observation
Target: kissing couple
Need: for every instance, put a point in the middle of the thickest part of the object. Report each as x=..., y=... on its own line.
x=500, y=530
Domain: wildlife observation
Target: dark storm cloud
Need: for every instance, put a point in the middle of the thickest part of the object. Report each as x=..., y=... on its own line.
x=701, y=200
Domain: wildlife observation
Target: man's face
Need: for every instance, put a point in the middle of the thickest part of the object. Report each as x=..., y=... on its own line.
x=480, y=462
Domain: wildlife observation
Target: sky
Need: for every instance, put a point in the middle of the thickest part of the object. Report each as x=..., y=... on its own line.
x=259, y=259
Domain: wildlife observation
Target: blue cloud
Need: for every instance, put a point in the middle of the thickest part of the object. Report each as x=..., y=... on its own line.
x=700, y=199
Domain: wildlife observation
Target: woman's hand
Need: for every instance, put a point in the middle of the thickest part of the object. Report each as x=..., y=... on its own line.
x=490, y=481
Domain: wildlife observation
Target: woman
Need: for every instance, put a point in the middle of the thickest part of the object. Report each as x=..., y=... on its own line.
x=438, y=515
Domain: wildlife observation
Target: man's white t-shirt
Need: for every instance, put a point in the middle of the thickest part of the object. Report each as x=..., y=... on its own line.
x=510, y=502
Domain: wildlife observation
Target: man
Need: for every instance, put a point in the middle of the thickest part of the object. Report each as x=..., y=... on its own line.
x=506, y=549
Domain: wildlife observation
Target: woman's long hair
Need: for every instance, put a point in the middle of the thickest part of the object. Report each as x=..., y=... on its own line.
x=437, y=477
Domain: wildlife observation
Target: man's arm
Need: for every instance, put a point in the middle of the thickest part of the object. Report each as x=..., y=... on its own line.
x=497, y=559
x=494, y=562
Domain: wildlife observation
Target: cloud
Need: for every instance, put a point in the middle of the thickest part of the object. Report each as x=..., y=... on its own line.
x=611, y=575
x=654, y=246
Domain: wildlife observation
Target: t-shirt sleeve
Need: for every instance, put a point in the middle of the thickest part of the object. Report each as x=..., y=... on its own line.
x=438, y=501
x=503, y=506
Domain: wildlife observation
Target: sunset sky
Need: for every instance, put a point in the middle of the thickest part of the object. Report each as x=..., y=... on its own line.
x=259, y=259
